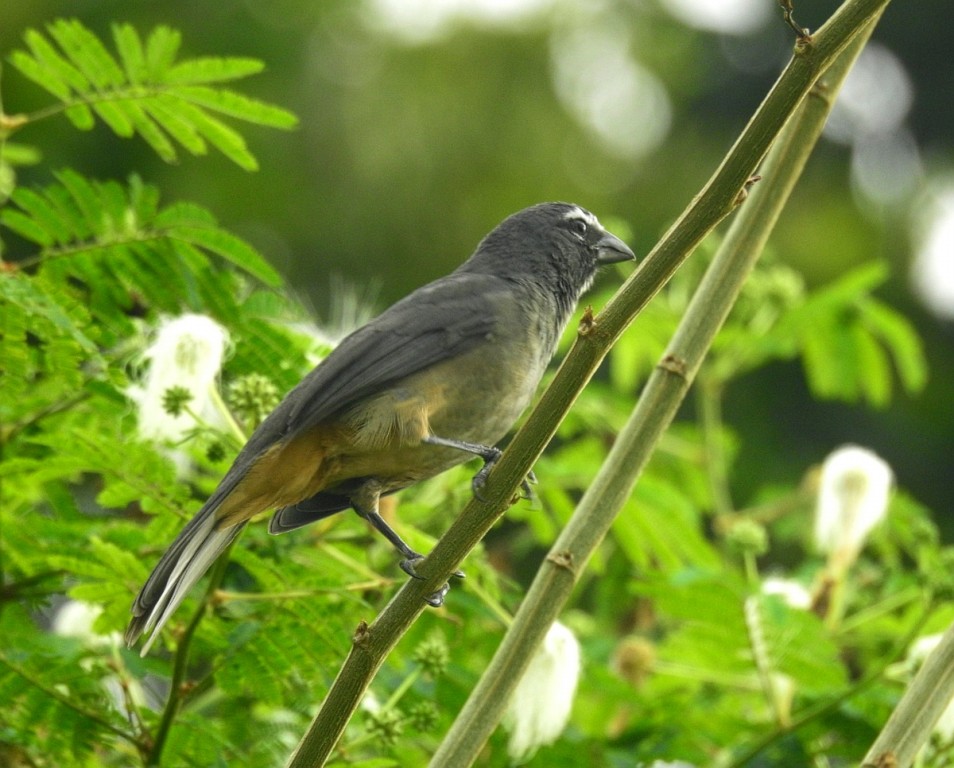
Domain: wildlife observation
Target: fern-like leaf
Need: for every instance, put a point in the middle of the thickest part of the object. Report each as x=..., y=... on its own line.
x=119, y=245
x=144, y=91
x=43, y=329
x=852, y=345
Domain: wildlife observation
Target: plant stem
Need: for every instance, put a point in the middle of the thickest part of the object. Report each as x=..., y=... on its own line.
x=709, y=398
x=181, y=660
x=372, y=643
x=923, y=703
x=752, y=611
x=669, y=382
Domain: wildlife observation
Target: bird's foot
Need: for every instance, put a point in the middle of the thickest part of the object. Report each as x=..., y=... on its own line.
x=435, y=599
x=480, y=480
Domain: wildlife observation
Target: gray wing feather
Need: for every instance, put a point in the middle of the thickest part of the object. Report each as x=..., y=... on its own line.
x=437, y=322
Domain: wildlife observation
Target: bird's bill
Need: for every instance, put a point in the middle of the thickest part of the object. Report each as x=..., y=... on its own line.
x=610, y=250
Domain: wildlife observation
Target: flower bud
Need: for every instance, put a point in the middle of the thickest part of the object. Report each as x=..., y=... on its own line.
x=852, y=499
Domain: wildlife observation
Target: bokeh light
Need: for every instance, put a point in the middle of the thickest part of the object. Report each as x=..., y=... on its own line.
x=731, y=17
x=932, y=272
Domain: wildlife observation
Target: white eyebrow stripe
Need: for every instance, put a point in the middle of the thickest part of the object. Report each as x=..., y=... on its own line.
x=578, y=213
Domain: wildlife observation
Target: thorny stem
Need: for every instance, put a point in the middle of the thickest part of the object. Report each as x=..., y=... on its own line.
x=788, y=9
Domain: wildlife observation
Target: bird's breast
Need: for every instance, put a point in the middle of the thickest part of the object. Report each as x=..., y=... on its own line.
x=474, y=397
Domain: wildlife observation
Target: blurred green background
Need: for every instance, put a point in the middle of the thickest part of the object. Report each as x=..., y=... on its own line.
x=423, y=123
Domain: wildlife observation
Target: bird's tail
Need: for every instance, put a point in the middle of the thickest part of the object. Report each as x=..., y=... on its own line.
x=190, y=556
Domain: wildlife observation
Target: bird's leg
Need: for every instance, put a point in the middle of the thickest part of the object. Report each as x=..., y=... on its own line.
x=490, y=454
x=367, y=508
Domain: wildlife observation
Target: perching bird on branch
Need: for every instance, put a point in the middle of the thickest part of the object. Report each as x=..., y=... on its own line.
x=437, y=378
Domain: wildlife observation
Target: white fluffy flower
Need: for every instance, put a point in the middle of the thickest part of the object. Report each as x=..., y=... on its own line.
x=187, y=352
x=852, y=499
x=541, y=702
x=793, y=593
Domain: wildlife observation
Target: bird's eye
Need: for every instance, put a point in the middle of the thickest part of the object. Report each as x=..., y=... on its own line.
x=579, y=228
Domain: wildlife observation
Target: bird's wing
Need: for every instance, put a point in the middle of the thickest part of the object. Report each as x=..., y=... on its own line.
x=438, y=322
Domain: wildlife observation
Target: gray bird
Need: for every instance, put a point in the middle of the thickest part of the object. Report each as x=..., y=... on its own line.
x=437, y=378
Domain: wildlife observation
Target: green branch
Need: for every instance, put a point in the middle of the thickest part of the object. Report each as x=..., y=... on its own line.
x=372, y=643
x=922, y=705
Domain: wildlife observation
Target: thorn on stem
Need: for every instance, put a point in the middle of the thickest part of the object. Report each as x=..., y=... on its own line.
x=802, y=33
x=587, y=321
x=744, y=192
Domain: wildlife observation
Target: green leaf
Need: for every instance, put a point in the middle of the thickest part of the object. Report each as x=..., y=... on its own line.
x=87, y=53
x=29, y=296
x=42, y=75
x=798, y=645
x=847, y=339
x=84, y=196
x=874, y=371
x=81, y=116
x=131, y=52
x=210, y=69
x=228, y=141
x=14, y=153
x=25, y=226
x=236, y=105
x=116, y=242
x=898, y=335
x=153, y=135
x=161, y=49
x=719, y=633
x=40, y=210
x=58, y=69
x=167, y=114
x=115, y=117
x=146, y=92
x=661, y=526
x=231, y=248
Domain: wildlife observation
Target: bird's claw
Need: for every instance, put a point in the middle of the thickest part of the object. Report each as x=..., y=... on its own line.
x=480, y=480
x=435, y=599
x=526, y=491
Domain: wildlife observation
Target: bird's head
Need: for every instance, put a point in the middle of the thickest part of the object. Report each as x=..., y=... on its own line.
x=559, y=246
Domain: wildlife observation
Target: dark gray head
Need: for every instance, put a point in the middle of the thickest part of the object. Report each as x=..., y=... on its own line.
x=558, y=246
